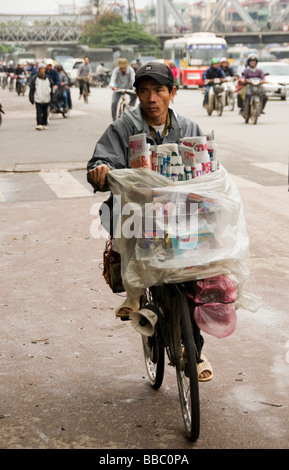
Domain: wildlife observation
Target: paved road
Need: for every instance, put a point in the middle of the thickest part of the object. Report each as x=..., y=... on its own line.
x=72, y=376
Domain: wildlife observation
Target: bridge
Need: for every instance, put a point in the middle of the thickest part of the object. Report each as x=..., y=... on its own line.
x=38, y=32
x=258, y=37
x=41, y=29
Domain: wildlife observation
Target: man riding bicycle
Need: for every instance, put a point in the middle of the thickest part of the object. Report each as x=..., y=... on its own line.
x=122, y=77
x=84, y=74
x=154, y=83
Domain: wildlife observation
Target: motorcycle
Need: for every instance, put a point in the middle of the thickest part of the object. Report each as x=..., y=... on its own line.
x=216, y=99
x=253, y=109
x=11, y=79
x=1, y=112
x=101, y=81
x=229, y=93
x=56, y=105
x=3, y=80
x=21, y=84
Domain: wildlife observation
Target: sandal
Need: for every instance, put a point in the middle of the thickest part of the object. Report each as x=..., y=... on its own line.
x=128, y=306
x=204, y=366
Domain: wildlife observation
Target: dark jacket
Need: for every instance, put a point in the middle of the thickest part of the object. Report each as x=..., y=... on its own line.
x=211, y=72
x=54, y=76
x=112, y=148
x=228, y=72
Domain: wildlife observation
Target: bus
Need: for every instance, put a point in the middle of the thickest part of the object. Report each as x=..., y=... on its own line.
x=192, y=55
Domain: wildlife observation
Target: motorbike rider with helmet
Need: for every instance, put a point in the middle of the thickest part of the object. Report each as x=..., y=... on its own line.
x=244, y=94
x=212, y=72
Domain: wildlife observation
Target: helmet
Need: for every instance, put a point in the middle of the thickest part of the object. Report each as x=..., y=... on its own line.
x=215, y=60
x=252, y=57
x=223, y=59
x=49, y=62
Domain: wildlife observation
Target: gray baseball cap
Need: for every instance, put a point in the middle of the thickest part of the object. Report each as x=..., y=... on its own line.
x=156, y=70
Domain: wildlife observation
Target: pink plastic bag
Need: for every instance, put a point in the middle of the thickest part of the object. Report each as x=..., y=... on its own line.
x=216, y=319
x=219, y=288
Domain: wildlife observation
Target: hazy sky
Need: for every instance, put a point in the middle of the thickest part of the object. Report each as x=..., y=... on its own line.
x=43, y=6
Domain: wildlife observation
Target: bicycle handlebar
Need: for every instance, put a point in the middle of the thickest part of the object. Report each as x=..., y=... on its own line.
x=124, y=90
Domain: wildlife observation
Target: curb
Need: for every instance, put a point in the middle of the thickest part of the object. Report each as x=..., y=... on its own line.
x=50, y=166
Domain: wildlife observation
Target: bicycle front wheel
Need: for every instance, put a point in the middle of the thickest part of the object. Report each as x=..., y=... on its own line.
x=154, y=355
x=186, y=368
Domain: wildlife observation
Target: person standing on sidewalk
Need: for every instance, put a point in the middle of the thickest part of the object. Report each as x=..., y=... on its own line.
x=41, y=87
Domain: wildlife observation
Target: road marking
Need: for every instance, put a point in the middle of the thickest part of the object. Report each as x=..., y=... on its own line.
x=245, y=183
x=64, y=185
x=276, y=167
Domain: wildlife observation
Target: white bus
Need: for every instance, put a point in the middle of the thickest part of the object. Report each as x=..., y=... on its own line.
x=192, y=54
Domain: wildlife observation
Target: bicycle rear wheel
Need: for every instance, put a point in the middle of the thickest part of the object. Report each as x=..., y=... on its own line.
x=186, y=367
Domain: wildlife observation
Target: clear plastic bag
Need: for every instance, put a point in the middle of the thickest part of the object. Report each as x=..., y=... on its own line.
x=222, y=240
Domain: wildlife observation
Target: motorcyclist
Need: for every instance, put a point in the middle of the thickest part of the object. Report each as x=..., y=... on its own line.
x=224, y=64
x=215, y=71
x=52, y=74
x=63, y=87
x=244, y=93
x=10, y=72
x=100, y=73
x=19, y=74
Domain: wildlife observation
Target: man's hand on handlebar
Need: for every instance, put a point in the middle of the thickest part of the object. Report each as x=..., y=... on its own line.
x=98, y=175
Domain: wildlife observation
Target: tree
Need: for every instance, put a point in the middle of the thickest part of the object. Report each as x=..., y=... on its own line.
x=109, y=29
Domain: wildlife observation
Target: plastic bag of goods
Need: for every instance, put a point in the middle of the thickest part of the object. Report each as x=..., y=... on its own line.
x=208, y=235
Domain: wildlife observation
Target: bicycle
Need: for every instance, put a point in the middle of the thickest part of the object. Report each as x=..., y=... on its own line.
x=124, y=102
x=177, y=333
